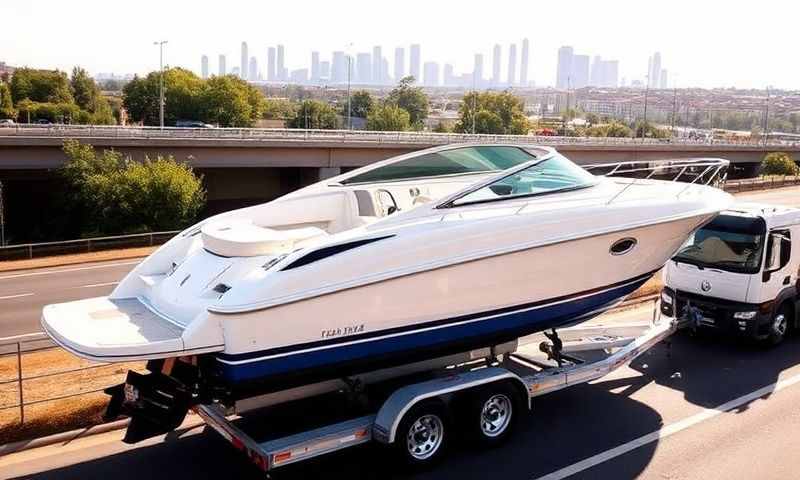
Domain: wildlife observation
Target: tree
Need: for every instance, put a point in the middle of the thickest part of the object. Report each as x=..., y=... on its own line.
x=278, y=109
x=361, y=103
x=613, y=129
x=411, y=99
x=778, y=163
x=314, y=114
x=648, y=130
x=118, y=195
x=388, y=118
x=229, y=101
x=492, y=113
x=50, y=86
x=6, y=104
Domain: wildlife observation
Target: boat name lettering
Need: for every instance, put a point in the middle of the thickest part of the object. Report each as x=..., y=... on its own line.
x=337, y=332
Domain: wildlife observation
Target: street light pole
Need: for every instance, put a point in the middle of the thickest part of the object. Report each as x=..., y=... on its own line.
x=766, y=119
x=646, y=94
x=349, y=68
x=2, y=219
x=161, y=81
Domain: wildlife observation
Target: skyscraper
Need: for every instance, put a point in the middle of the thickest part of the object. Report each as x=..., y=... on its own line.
x=339, y=68
x=523, y=67
x=377, y=65
x=414, y=62
x=364, y=67
x=512, y=64
x=654, y=76
x=496, y=65
x=314, y=67
x=662, y=83
x=271, y=75
x=399, y=63
x=431, y=74
x=477, y=70
x=325, y=70
x=564, y=69
x=223, y=68
x=611, y=73
x=253, y=71
x=283, y=74
x=580, y=71
x=596, y=77
x=449, y=77
x=244, y=64
x=204, y=66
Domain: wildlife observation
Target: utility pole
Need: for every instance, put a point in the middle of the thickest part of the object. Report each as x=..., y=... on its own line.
x=674, y=109
x=349, y=70
x=2, y=219
x=161, y=81
x=766, y=119
x=474, y=101
x=646, y=94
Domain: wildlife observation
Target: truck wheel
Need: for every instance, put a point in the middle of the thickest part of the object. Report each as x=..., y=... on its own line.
x=420, y=439
x=779, y=325
x=490, y=414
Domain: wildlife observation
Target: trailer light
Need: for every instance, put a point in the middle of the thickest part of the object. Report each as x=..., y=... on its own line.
x=281, y=457
x=744, y=315
x=742, y=324
x=666, y=297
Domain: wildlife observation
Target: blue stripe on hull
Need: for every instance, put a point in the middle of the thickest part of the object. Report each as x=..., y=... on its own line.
x=511, y=325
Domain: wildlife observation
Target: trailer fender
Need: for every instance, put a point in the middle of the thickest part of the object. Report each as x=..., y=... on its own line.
x=392, y=411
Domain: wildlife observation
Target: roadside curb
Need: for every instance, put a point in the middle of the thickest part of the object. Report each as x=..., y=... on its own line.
x=67, y=264
x=63, y=437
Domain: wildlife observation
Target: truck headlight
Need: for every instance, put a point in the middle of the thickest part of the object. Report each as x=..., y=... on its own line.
x=666, y=298
x=744, y=315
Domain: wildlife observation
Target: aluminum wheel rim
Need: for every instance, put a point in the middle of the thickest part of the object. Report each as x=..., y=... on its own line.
x=779, y=325
x=496, y=415
x=425, y=437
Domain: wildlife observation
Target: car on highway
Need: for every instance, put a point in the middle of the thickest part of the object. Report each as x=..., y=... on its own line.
x=192, y=124
x=6, y=122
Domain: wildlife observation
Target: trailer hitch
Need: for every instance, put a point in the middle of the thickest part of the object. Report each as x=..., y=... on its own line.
x=553, y=348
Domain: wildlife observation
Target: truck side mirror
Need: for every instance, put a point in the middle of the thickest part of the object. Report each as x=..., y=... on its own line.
x=773, y=260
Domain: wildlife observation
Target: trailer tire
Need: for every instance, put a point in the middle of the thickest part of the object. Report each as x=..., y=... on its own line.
x=422, y=435
x=490, y=414
x=779, y=325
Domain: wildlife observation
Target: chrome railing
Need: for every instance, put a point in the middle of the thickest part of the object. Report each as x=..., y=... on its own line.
x=84, y=245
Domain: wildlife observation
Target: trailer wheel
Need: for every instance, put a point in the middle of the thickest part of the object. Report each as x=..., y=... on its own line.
x=779, y=325
x=421, y=435
x=490, y=414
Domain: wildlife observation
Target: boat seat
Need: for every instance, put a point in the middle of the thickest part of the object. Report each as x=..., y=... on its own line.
x=243, y=238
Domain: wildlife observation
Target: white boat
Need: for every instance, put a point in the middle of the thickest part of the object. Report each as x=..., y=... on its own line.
x=420, y=256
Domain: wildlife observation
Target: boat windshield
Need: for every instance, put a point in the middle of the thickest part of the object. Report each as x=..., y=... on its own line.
x=457, y=161
x=554, y=174
x=728, y=242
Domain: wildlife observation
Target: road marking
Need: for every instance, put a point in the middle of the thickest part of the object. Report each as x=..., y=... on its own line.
x=670, y=429
x=9, y=297
x=98, y=285
x=67, y=270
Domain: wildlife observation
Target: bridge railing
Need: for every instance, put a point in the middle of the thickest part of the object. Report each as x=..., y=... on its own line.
x=83, y=245
x=367, y=136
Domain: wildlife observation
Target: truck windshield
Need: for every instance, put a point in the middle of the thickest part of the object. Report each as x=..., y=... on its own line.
x=728, y=242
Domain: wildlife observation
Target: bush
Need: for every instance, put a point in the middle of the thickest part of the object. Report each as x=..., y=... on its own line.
x=778, y=163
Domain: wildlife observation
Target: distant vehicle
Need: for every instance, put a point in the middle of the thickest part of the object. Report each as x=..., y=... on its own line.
x=6, y=122
x=739, y=274
x=192, y=124
x=43, y=121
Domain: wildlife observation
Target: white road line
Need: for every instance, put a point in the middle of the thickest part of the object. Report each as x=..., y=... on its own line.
x=67, y=270
x=670, y=429
x=98, y=285
x=9, y=297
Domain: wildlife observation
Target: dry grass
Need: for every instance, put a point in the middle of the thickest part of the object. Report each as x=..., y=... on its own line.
x=58, y=415
x=59, y=260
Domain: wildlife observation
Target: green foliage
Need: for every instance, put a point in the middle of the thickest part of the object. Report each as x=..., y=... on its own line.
x=613, y=129
x=46, y=86
x=492, y=113
x=314, y=114
x=119, y=195
x=648, y=130
x=227, y=101
x=388, y=118
x=442, y=127
x=7, y=109
x=411, y=99
x=361, y=103
x=278, y=109
x=778, y=163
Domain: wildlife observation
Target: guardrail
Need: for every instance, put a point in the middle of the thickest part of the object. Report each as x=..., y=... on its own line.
x=287, y=134
x=761, y=183
x=84, y=245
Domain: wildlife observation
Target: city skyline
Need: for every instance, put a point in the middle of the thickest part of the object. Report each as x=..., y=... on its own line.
x=97, y=45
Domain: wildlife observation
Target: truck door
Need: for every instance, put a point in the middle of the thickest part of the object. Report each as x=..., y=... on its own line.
x=777, y=273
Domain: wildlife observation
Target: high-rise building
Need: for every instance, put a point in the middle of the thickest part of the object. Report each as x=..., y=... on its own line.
x=339, y=68
x=245, y=60
x=414, y=62
x=271, y=71
x=654, y=75
x=299, y=76
x=449, y=77
x=204, y=66
x=325, y=70
x=364, y=68
x=253, y=70
x=611, y=73
x=223, y=68
x=431, y=74
x=496, y=65
x=314, y=67
x=283, y=73
x=399, y=63
x=377, y=65
x=564, y=69
x=477, y=70
x=596, y=76
x=512, y=64
x=580, y=71
x=662, y=83
x=523, y=65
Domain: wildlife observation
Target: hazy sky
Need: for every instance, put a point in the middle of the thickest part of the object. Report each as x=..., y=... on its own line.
x=705, y=42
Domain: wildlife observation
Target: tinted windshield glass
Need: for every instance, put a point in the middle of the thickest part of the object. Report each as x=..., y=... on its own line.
x=728, y=243
x=551, y=175
x=448, y=162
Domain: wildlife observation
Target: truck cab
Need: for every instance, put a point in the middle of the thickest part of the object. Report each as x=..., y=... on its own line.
x=738, y=274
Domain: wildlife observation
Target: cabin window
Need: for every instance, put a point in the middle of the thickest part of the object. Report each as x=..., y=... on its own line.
x=458, y=161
